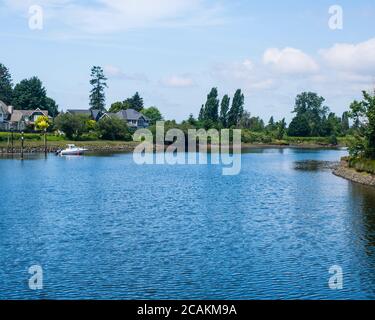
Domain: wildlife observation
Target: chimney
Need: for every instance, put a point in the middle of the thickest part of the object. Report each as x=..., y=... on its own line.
x=10, y=109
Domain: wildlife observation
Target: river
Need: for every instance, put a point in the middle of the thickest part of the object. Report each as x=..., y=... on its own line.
x=102, y=227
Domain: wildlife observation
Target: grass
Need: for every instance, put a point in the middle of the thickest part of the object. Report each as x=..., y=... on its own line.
x=362, y=165
x=36, y=140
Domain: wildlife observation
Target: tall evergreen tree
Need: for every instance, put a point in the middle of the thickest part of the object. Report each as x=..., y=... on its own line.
x=345, y=126
x=224, y=108
x=271, y=124
x=211, y=110
x=201, y=113
x=135, y=102
x=236, y=111
x=97, y=94
x=281, y=129
x=6, y=86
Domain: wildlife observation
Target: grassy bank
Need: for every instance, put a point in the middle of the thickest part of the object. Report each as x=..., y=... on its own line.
x=362, y=165
x=34, y=142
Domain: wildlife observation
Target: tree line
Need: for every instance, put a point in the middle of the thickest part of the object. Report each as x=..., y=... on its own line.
x=312, y=117
x=28, y=94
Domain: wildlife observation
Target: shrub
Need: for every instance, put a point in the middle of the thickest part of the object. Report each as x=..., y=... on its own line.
x=362, y=165
x=113, y=129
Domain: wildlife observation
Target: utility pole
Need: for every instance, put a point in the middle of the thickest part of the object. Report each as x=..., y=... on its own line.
x=45, y=142
x=12, y=140
x=22, y=138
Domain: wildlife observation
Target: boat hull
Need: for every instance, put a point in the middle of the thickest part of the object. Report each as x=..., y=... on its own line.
x=72, y=152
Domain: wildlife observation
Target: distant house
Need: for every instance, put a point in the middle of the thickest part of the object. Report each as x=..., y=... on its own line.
x=4, y=113
x=18, y=119
x=92, y=114
x=133, y=118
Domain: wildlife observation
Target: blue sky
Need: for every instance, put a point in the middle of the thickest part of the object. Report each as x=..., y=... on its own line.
x=174, y=51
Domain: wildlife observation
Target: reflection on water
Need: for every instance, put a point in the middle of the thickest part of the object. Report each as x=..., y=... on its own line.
x=314, y=165
x=363, y=201
x=105, y=228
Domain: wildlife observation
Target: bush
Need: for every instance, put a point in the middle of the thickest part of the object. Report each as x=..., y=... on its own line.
x=113, y=129
x=72, y=125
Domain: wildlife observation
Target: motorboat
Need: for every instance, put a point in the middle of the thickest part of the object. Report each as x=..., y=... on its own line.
x=71, y=150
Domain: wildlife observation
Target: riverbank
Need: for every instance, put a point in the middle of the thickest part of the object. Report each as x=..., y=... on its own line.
x=344, y=171
x=53, y=146
x=129, y=146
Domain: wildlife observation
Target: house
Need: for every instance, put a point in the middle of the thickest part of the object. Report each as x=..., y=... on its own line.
x=18, y=120
x=4, y=112
x=92, y=114
x=133, y=118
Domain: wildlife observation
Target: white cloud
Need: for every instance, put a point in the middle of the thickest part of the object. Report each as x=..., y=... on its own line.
x=351, y=57
x=237, y=70
x=114, y=72
x=290, y=61
x=178, y=81
x=105, y=16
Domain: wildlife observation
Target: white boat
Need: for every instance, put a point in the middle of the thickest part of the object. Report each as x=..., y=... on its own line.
x=71, y=150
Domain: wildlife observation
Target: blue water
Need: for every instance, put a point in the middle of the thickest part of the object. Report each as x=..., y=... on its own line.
x=102, y=227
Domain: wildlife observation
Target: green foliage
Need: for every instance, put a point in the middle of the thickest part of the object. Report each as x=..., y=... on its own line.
x=249, y=136
x=30, y=94
x=362, y=165
x=236, y=111
x=281, y=129
x=211, y=108
x=6, y=86
x=271, y=125
x=153, y=114
x=299, y=127
x=116, y=107
x=4, y=136
x=333, y=140
x=113, y=129
x=224, y=108
x=309, y=107
x=74, y=126
x=135, y=102
x=97, y=94
x=363, y=113
x=345, y=126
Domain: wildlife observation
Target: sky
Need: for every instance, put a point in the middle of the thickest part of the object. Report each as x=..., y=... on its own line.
x=174, y=51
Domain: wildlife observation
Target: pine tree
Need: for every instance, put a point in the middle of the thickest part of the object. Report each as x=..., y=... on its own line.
x=345, y=122
x=6, y=86
x=201, y=114
x=97, y=94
